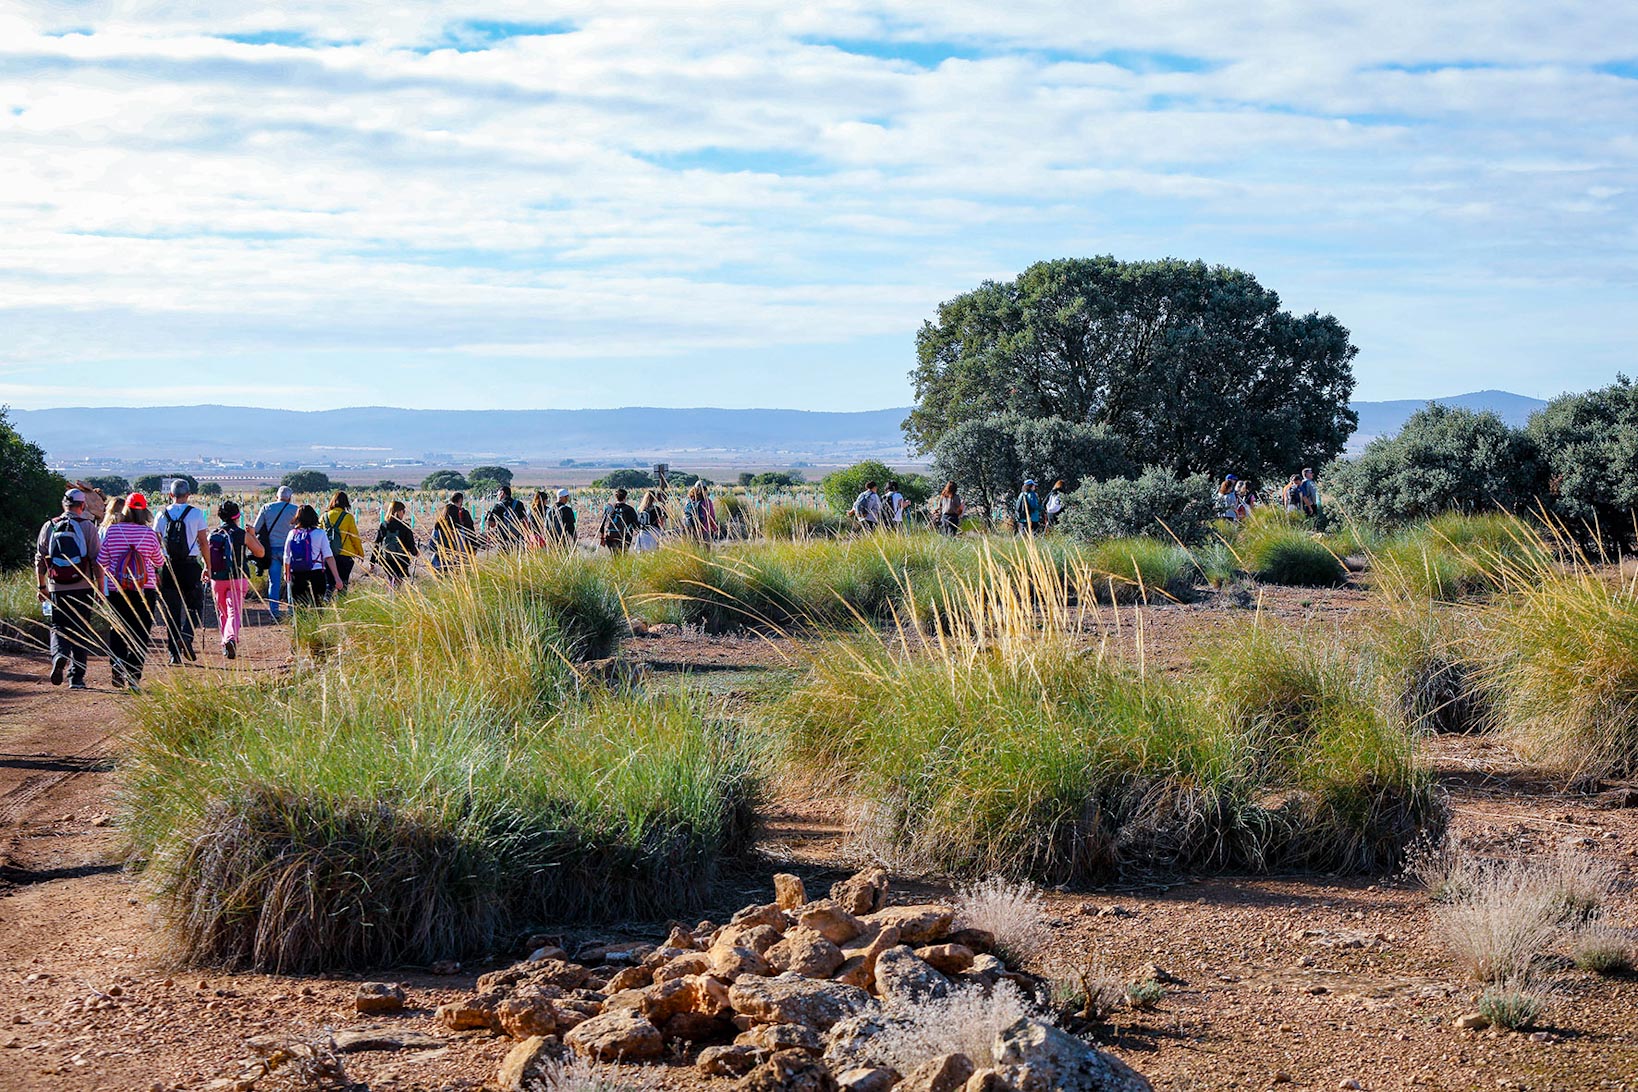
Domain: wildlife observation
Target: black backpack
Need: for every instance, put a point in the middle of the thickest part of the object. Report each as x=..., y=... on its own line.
x=178, y=544
x=66, y=550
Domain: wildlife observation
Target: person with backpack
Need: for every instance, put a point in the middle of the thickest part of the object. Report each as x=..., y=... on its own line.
x=1291, y=493
x=131, y=557
x=950, y=510
x=650, y=522
x=1308, y=498
x=505, y=525
x=893, y=506
x=867, y=508
x=619, y=525
x=272, y=527
x=541, y=533
x=183, y=530
x=1028, y=512
x=395, y=551
x=563, y=512
x=229, y=551
x=1055, y=504
x=346, y=545
x=454, y=539
x=66, y=570
x=308, y=560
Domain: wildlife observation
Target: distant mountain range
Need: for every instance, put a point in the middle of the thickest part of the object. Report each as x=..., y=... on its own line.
x=372, y=436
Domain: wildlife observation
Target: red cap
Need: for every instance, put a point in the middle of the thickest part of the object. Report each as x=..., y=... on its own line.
x=136, y=500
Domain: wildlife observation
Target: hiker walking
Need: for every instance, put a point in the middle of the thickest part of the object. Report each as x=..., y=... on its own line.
x=540, y=531
x=650, y=522
x=505, y=525
x=346, y=545
x=563, y=512
x=66, y=570
x=183, y=529
x=619, y=525
x=271, y=528
x=893, y=506
x=1291, y=493
x=395, y=551
x=1028, y=512
x=1055, y=504
x=131, y=558
x=454, y=537
x=1225, y=502
x=309, y=561
x=1308, y=499
x=229, y=551
x=867, y=508
x=947, y=515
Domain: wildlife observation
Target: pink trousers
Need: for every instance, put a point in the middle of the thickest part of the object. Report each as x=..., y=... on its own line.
x=230, y=605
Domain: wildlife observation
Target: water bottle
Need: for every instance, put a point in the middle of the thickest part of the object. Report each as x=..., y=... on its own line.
x=45, y=609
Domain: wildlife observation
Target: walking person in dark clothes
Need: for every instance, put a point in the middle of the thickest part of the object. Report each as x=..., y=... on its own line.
x=65, y=563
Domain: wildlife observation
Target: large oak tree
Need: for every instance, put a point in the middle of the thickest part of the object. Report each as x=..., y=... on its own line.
x=1195, y=368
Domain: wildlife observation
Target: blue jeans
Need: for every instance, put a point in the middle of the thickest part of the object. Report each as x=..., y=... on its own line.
x=275, y=582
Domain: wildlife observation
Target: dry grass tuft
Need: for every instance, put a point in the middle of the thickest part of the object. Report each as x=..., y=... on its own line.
x=1603, y=949
x=1499, y=928
x=576, y=1074
x=965, y=1022
x=1014, y=913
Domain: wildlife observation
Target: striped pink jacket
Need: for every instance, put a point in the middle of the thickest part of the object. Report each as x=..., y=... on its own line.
x=124, y=537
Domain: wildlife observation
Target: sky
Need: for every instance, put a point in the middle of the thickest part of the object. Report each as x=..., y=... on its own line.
x=323, y=203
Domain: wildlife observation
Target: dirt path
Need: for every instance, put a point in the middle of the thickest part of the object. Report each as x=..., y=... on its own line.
x=1322, y=980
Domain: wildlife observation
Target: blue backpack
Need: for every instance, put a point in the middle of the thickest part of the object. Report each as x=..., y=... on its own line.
x=300, y=550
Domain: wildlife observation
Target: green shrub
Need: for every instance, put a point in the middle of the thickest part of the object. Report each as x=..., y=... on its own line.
x=1454, y=556
x=350, y=820
x=34, y=494
x=1511, y=1007
x=794, y=521
x=1443, y=459
x=1157, y=503
x=1125, y=570
x=842, y=486
x=1275, y=548
x=1586, y=442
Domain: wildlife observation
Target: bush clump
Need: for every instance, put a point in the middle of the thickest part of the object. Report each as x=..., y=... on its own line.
x=1454, y=556
x=1276, y=548
x=1157, y=503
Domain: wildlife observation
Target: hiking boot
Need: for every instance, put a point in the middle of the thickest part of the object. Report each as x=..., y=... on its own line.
x=189, y=652
x=76, y=684
x=231, y=649
x=117, y=678
x=174, y=657
x=59, y=668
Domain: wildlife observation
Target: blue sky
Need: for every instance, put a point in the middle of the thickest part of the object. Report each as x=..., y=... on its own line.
x=755, y=203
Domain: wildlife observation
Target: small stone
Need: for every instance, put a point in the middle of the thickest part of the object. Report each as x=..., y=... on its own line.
x=789, y=891
x=987, y=1080
x=682, y=966
x=472, y=1014
x=518, y=1069
x=1349, y=1082
x=918, y=925
x=734, y=963
x=806, y=953
x=1282, y=1077
x=630, y=978
x=830, y=921
x=548, y=951
x=524, y=1016
x=680, y=937
x=863, y=893
x=1473, y=1021
x=789, y=1071
x=772, y=1038
x=946, y=958
x=903, y=979
x=728, y=1061
x=792, y=999
x=621, y=1035
x=947, y=1073
x=445, y=967
x=867, y=1079
x=377, y=997
x=769, y=914
x=355, y=1040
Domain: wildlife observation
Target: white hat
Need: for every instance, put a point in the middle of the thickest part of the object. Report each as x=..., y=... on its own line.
x=73, y=496
x=284, y=493
x=562, y=494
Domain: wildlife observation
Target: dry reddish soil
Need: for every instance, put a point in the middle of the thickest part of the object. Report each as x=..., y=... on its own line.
x=1291, y=981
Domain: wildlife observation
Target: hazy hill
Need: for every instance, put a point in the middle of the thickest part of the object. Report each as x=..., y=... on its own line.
x=369, y=435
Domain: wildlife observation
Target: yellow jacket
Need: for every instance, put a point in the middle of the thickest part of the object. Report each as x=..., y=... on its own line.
x=341, y=520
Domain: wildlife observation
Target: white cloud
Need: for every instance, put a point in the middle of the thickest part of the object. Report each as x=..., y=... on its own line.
x=668, y=179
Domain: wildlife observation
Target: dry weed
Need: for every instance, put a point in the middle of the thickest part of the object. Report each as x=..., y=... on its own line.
x=1014, y=913
x=965, y=1022
x=1602, y=949
x=1502, y=924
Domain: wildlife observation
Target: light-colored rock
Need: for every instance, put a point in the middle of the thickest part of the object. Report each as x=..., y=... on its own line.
x=1036, y=1057
x=728, y=1061
x=663, y=1000
x=518, y=1070
x=805, y=952
x=789, y=1071
x=472, y=1013
x=859, y=966
x=903, y=979
x=772, y=1038
x=862, y=893
x=621, y=1035
x=711, y=996
x=683, y=966
x=789, y=891
x=733, y=963
x=848, y=1042
x=987, y=1080
x=918, y=925
x=947, y=959
x=792, y=999
x=947, y=1073
x=770, y=914
x=522, y=1016
x=548, y=951
x=866, y=1079
x=631, y=978
x=830, y=921
x=1473, y=1021
x=379, y=997
x=758, y=938
x=662, y=955
x=384, y=1037
x=681, y=938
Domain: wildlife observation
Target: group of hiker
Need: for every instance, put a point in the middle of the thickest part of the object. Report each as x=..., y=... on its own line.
x=1237, y=498
x=875, y=509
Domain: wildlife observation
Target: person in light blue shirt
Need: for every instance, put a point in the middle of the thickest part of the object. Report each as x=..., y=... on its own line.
x=272, y=527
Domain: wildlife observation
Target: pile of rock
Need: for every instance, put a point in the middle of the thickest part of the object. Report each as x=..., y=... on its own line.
x=780, y=997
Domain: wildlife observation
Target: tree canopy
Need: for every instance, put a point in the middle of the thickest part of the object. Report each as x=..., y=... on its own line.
x=1192, y=367
x=161, y=483
x=500, y=475
x=33, y=495
x=307, y=481
x=1589, y=445
x=627, y=478
x=842, y=486
x=444, y=481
